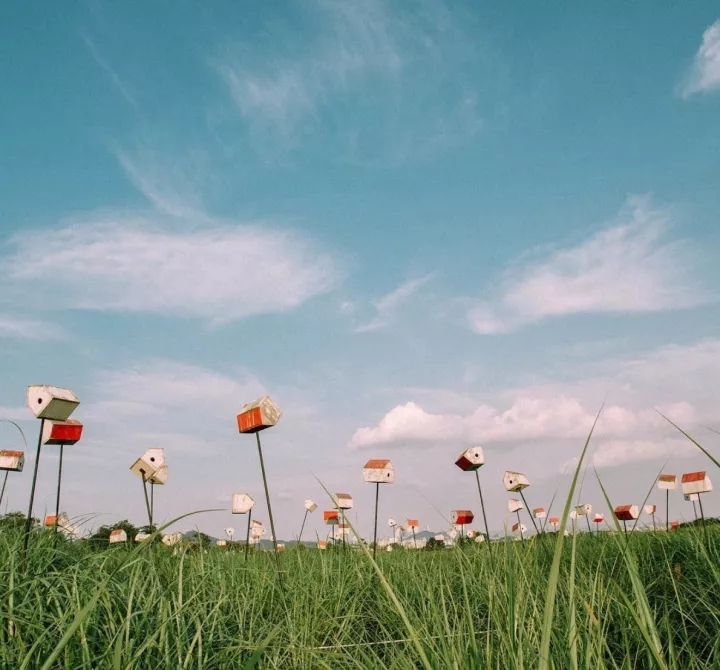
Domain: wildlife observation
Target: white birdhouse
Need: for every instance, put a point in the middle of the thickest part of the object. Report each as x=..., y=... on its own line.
x=310, y=505
x=116, y=536
x=392, y=523
x=696, y=482
x=378, y=471
x=160, y=476
x=171, y=539
x=343, y=500
x=242, y=503
x=440, y=537
x=11, y=460
x=539, y=513
x=583, y=510
x=51, y=402
x=691, y=497
x=519, y=528
x=221, y=543
x=573, y=514
x=230, y=532
x=479, y=538
x=258, y=415
x=141, y=537
x=471, y=459
x=515, y=481
x=62, y=432
x=146, y=467
x=257, y=530
x=650, y=509
x=667, y=482
x=514, y=505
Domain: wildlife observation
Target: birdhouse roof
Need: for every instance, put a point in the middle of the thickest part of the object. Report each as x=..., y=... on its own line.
x=343, y=496
x=693, y=477
x=413, y=522
x=10, y=453
x=554, y=519
x=667, y=478
x=116, y=532
x=539, y=509
x=378, y=464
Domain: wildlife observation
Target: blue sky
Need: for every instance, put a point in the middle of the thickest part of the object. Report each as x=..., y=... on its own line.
x=417, y=226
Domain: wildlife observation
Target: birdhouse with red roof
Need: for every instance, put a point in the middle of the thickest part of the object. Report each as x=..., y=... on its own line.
x=242, y=503
x=674, y=525
x=258, y=415
x=539, y=513
x=343, y=500
x=462, y=517
x=519, y=529
x=667, y=482
x=514, y=505
x=117, y=536
x=51, y=402
x=412, y=524
x=598, y=518
x=11, y=460
x=627, y=512
x=331, y=517
x=62, y=432
x=696, y=482
x=322, y=544
x=515, y=481
x=554, y=521
x=471, y=459
x=378, y=471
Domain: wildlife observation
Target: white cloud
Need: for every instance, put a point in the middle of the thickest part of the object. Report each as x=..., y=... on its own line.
x=387, y=306
x=704, y=75
x=678, y=381
x=12, y=327
x=218, y=272
x=630, y=266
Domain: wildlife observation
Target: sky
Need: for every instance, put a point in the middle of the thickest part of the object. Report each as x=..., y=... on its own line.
x=418, y=227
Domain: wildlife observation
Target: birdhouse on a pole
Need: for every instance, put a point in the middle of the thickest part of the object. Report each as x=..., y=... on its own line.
x=583, y=510
x=471, y=459
x=242, y=503
x=258, y=530
x=322, y=544
x=515, y=481
x=11, y=460
x=514, y=505
x=462, y=517
x=650, y=509
x=258, y=415
x=117, y=535
x=519, y=528
x=331, y=517
x=696, y=482
x=343, y=501
x=539, y=513
x=171, y=539
x=147, y=466
x=598, y=518
x=554, y=521
x=412, y=524
x=691, y=497
x=310, y=505
x=51, y=402
x=667, y=482
x=62, y=432
x=378, y=471
x=627, y=512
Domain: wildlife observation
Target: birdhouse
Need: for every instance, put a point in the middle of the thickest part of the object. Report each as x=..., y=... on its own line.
x=331, y=517
x=159, y=477
x=343, y=500
x=519, y=528
x=116, y=536
x=258, y=415
x=148, y=464
x=322, y=544
x=280, y=546
x=696, y=482
x=627, y=512
x=12, y=460
x=242, y=503
x=573, y=514
x=539, y=513
x=650, y=509
x=691, y=497
x=412, y=524
x=230, y=532
x=674, y=525
x=62, y=432
x=310, y=505
x=514, y=505
x=62, y=520
x=583, y=510
x=257, y=530
x=598, y=518
x=343, y=529
x=171, y=539
x=51, y=402
x=471, y=533
x=141, y=537
x=221, y=543
x=515, y=481
x=667, y=482
x=554, y=521
x=462, y=517
x=392, y=523
x=479, y=538
x=471, y=459
x=378, y=471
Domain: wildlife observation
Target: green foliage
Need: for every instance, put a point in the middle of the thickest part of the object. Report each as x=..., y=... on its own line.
x=15, y=521
x=99, y=539
x=433, y=544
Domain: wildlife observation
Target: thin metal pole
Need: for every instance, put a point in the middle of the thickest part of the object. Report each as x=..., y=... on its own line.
x=57, y=497
x=702, y=516
x=28, y=520
x=270, y=514
x=147, y=501
x=519, y=525
x=152, y=504
x=377, y=497
x=342, y=530
x=667, y=509
x=522, y=495
x=247, y=537
x=2, y=493
x=303, y=525
x=482, y=507
x=625, y=527
x=587, y=518
x=653, y=518
x=695, y=509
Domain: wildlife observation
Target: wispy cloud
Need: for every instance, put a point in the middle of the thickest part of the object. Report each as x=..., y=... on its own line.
x=219, y=272
x=386, y=307
x=119, y=84
x=629, y=266
x=704, y=74
x=13, y=327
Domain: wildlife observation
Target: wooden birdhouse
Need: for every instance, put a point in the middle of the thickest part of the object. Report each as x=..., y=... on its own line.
x=479, y=538
x=573, y=514
x=148, y=464
x=280, y=546
x=471, y=459
x=462, y=517
x=554, y=521
x=242, y=503
x=258, y=415
x=514, y=505
x=667, y=482
x=519, y=529
x=257, y=530
x=13, y=461
x=378, y=471
x=116, y=536
x=62, y=432
x=141, y=537
x=51, y=402
x=343, y=500
x=392, y=523
x=310, y=505
x=674, y=525
x=650, y=509
x=583, y=510
x=171, y=539
x=331, y=517
x=62, y=521
x=412, y=524
x=627, y=512
x=691, y=497
x=539, y=513
x=343, y=529
x=322, y=544
x=515, y=481
x=696, y=482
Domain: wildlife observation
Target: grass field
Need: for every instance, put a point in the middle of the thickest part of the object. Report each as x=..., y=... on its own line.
x=651, y=602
